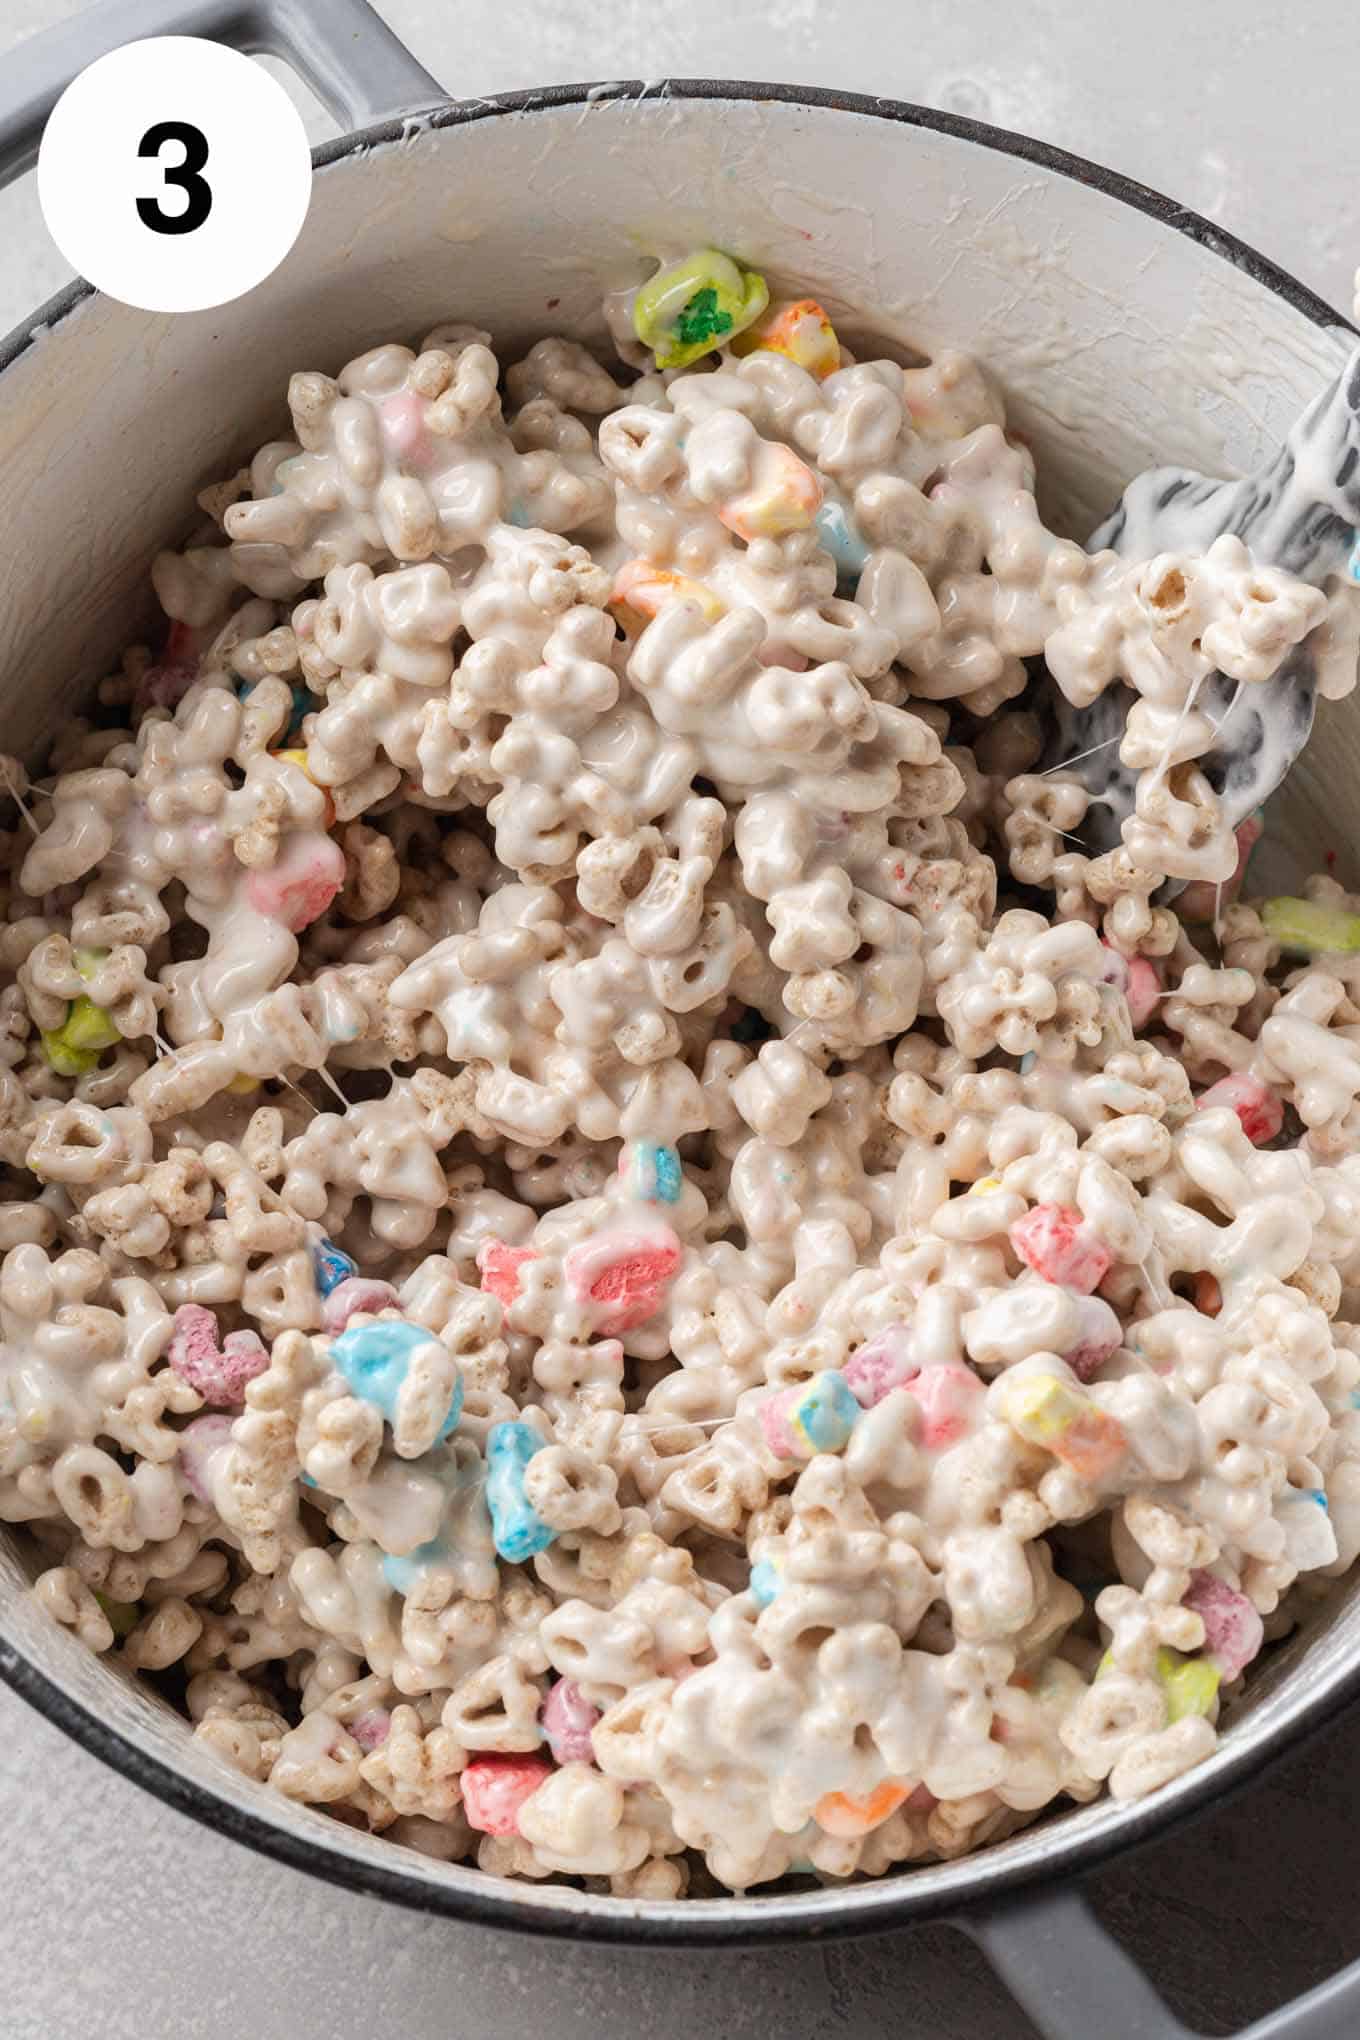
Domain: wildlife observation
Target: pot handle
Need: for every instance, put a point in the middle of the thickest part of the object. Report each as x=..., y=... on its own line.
x=1074, y=1980
x=358, y=69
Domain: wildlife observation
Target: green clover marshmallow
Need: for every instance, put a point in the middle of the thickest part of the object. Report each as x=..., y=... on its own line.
x=697, y=305
x=76, y=1046
x=1306, y=928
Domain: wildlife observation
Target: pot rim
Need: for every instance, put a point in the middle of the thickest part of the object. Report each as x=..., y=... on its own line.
x=909, y=1895
x=906, y=113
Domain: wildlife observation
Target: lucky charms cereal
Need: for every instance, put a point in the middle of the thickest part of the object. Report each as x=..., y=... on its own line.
x=622, y=1257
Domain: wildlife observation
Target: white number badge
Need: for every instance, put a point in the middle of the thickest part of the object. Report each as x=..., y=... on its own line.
x=174, y=174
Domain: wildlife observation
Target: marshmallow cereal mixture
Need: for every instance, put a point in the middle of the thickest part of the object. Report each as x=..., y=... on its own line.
x=622, y=1260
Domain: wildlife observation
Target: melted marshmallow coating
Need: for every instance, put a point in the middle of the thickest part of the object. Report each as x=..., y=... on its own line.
x=615, y=1245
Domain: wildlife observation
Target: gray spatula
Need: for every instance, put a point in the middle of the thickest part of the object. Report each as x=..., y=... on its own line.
x=1298, y=514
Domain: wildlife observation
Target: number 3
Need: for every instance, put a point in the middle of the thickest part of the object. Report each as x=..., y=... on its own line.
x=197, y=190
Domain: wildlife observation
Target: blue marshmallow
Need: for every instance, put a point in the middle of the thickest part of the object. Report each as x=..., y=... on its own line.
x=407, y=1572
x=842, y=537
x=654, y=1172
x=374, y=1360
x=765, y=1582
x=516, y=1526
x=824, y=1414
x=304, y=701
x=331, y=1267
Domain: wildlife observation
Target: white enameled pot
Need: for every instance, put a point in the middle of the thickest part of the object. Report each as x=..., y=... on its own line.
x=1126, y=331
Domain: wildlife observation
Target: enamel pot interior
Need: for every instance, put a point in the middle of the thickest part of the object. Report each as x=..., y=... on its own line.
x=1125, y=333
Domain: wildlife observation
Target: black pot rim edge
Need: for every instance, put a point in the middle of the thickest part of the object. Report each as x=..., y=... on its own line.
x=890, y=1902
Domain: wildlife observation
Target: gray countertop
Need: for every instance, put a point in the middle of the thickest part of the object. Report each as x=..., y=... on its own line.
x=126, y=1922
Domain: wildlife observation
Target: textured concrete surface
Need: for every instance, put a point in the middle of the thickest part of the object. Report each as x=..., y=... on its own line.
x=1246, y=113
x=125, y=1921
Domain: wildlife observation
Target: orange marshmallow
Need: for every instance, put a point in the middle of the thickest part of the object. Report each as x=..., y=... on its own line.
x=784, y=496
x=839, y=1814
x=642, y=590
x=798, y=328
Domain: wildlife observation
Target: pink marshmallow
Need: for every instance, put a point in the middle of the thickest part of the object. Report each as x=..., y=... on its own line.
x=219, y=1372
x=1145, y=989
x=625, y=1274
x=567, y=1719
x=1056, y=1241
x=773, y=1418
x=186, y=643
x=1258, y=1108
x=1100, y=1335
x=300, y=884
x=405, y=430
x=1136, y=978
x=192, y=1341
x=163, y=685
x=199, y=1444
x=950, y=1397
x=499, y=1265
x=880, y=1365
x=371, y=1730
x=174, y=673
x=495, y=1787
x=1233, y=1631
x=356, y=1293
